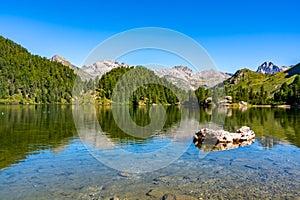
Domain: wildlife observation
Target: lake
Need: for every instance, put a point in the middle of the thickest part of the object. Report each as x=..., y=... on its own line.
x=87, y=152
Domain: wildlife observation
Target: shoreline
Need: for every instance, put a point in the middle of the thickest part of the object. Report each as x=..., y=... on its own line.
x=237, y=106
x=233, y=106
x=272, y=106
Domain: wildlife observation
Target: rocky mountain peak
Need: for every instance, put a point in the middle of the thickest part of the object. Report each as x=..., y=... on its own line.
x=61, y=60
x=267, y=63
x=270, y=68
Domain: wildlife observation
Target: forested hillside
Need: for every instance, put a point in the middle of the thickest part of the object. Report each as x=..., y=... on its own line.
x=27, y=78
x=148, y=94
x=256, y=88
x=289, y=93
x=156, y=90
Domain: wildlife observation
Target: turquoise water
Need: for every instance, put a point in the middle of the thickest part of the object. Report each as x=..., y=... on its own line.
x=44, y=156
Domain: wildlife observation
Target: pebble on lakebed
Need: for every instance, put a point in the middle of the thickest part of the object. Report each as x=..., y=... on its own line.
x=217, y=140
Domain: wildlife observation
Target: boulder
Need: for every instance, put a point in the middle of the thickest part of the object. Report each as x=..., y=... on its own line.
x=223, y=140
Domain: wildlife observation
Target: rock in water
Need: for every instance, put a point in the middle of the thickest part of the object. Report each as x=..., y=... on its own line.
x=124, y=174
x=212, y=140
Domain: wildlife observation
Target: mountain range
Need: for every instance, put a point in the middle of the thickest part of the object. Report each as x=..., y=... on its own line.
x=181, y=76
x=189, y=80
x=267, y=74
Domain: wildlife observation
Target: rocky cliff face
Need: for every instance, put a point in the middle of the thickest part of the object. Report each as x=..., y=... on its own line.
x=185, y=78
x=101, y=67
x=270, y=68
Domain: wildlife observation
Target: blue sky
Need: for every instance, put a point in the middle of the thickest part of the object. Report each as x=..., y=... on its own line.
x=235, y=33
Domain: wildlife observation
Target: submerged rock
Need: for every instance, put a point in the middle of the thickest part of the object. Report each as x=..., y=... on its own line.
x=124, y=174
x=216, y=140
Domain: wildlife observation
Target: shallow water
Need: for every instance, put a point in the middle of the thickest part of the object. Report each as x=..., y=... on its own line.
x=45, y=155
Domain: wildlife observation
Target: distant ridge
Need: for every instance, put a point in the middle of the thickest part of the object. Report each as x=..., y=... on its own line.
x=181, y=76
x=101, y=67
x=184, y=77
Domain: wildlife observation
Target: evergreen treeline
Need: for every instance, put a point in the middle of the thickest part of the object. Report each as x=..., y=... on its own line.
x=289, y=94
x=202, y=94
x=27, y=78
x=148, y=88
x=107, y=83
x=158, y=92
x=247, y=94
